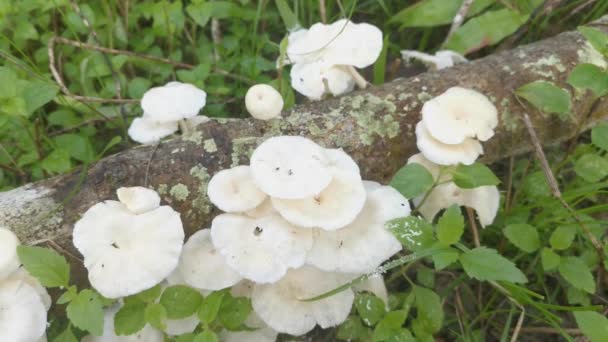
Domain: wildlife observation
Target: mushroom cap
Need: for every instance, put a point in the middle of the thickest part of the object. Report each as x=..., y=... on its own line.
x=203, y=267
x=22, y=313
x=233, y=190
x=127, y=253
x=261, y=249
x=22, y=275
x=364, y=244
x=315, y=79
x=279, y=305
x=371, y=185
x=459, y=114
x=173, y=102
x=138, y=199
x=335, y=207
x=339, y=159
x=147, y=334
x=444, y=154
x=146, y=131
x=243, y=288
x=290, y=167
x=9, y=260
x=339, y=80
x=263, y=102
x=264, y=209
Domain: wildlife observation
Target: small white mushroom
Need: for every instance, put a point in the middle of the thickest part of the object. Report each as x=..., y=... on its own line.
x=341, y=160
x=147, y=334
x=233, y=190
x=440, y=60
x=203, y=267
x=138, y=199
x=173, y=102
x=459, y=114
x=9, y=260
x=371, y=185
x=22, y=275
x=261, y=249
x=290, y=167
x=315, y=79
x=147, y=131
x=22, y=313
x=280, y=305
x=264, y=209
x=263, y=102
x=444, y=154
x=335, y=207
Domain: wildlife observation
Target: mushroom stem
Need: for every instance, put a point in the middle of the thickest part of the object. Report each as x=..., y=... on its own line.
x=184, y=127
x=361, y=82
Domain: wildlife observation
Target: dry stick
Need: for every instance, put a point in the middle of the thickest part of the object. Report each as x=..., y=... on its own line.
x=546, y=330
x=216, y=37
x=473, y=226
x=459, y=18
x=322, y=11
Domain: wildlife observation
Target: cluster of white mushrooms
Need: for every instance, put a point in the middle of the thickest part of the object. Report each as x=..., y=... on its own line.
x=23, y=301
x=452, y=126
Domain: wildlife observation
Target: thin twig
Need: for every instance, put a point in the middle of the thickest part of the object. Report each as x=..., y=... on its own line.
x=473, y=226
x=547, y=330
x=216, y=37
x=322, y=11
x=459, y=18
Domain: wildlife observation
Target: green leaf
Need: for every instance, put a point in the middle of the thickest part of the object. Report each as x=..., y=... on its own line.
x=57, y=161
x=562, y=237
x=390, y=326
x=180, y=301
x=597, y=38
x=576, y=296
x=549, y=259
x=49, y=267
x=473, y=176
x=430, y=311
x=156, y=315
x=234, y=311
x=370, y=308
x=484, y=263
x=64, y=118
x=206, y=336
x=38, y=93
x=185, y=338
x=524, y=236
x=413, y=232
x=86, y=312
x=445, y=258
x=599, y=135
x=593, y=325
x=77, y=146
x=412, y=180
x=130, y=318
x=353, y=330
x=68, y=296
x=591, y=167
x=66, y=336
x=589, y=76
x=137, y=87
x=577, y=273
x=450, y=226
x=547, y=97
x=289, y=18
x=114, y=141
x=149, y=295
x=211, y=306
x=428, y=13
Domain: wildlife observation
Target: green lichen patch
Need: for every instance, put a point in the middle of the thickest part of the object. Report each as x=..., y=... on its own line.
x=242, y=147
x=179, y=191
x=200, y=203
x=588, y=54
x=195, y=137
x=210, y=146
x=546, y=66
x=366, y=110
x=162, y=189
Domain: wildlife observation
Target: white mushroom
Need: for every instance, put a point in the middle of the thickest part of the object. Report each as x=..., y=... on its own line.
x=335, y=207
x=127, y=253
x=22, y=275
x=9, y=260
x=147, y=131
x=264, y=209
x=138, y=199
x=22, y=313
x=233, y=190
x=176, y=327
x=440, y=60
x=444, y=154
x=280, y=305
x=263, y=102
x=290, y=167
x=173, y=102
x=315, y=79
x=147, y=334
x=459, y=114
x=261, y=249
x=203, y=267
x=340, y=159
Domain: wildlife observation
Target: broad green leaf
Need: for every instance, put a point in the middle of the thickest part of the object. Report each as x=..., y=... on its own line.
x=426, y=277
x=211, y=306
x=593, y=325
x=473, y=176
x=589, y=76
x=599, y=135
x=78, y=146
x=180, y=301
x=66, y=336
x=591, y=167
x=597, y=38
x=549, y=259
x=576, y=296
x=113, y=142
x=535, y=185
x=156, y=315
x=445, y=258
x=370, y=308
x=380, y=64
x=353, y=330
x=484, y=263
x=185, y=338
x=547, y=97
x=69, y=295
x=206, y=336
x=149, y=295
x=38, y=93
x=86, y=312
x=63, y=118
x=412, y=180
x=390, y=327
x=130, y=318
x=428, y=13
x=8, y=83
x=450, y=226
x=57, y=161
x=430, y=311
x=413, y=232
x=577, y=273
x=46, y=265
x=137, y=87
x=562, y=237
x=289, y=18
x=234, y=311
x=524, y=236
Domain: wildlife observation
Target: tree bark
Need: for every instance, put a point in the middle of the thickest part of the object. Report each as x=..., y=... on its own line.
x=375, y=126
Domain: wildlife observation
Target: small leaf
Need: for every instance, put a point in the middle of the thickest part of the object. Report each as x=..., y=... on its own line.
x=66, y=336
x=390, y=326
x=428, y=13
x=130, y=318
x=486, y=264
x=412, y=180
x=547, y=97
x=430, y=310
x=597, y=38
x=450, y=226
x=149, y=295
x=206, y=336
x=562, y=237
x=413, y=232
x=234, y=311
x=599, y=135
x=38, y=93
x=57, y=161
x=591, y=167
x=370, y=308
x=353, y=330
x=77, y=146
x=211, y=306
x=589, y=76
x=180, y=301
x=473, y=176
x=593, y=325
x=46, y=265
x=549, y=259
x=577, y=273
x=86, y=312
x=445, y=258
x=156, y=316
x=524, y=236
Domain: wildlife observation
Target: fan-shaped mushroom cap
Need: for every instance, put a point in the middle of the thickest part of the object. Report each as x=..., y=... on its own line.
x=203, y=267
x=127, y=253
x=9, y=260
x=341, y=160
x=458, y=114
x=315, y=79
x=147, y=334
x=173, y=102
x=263, y=102
x=264, y=209
x=335, y=207
x=374, y=284
x=280, y=305
x=22, y=275
x=290, y=167
x=147, y=131
x=22, y=313
x=138, y=199
x=484, y=199
x=233, y=190
x=443, y=154
x=260, y=249
x=371, y=185
x=364, y=244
